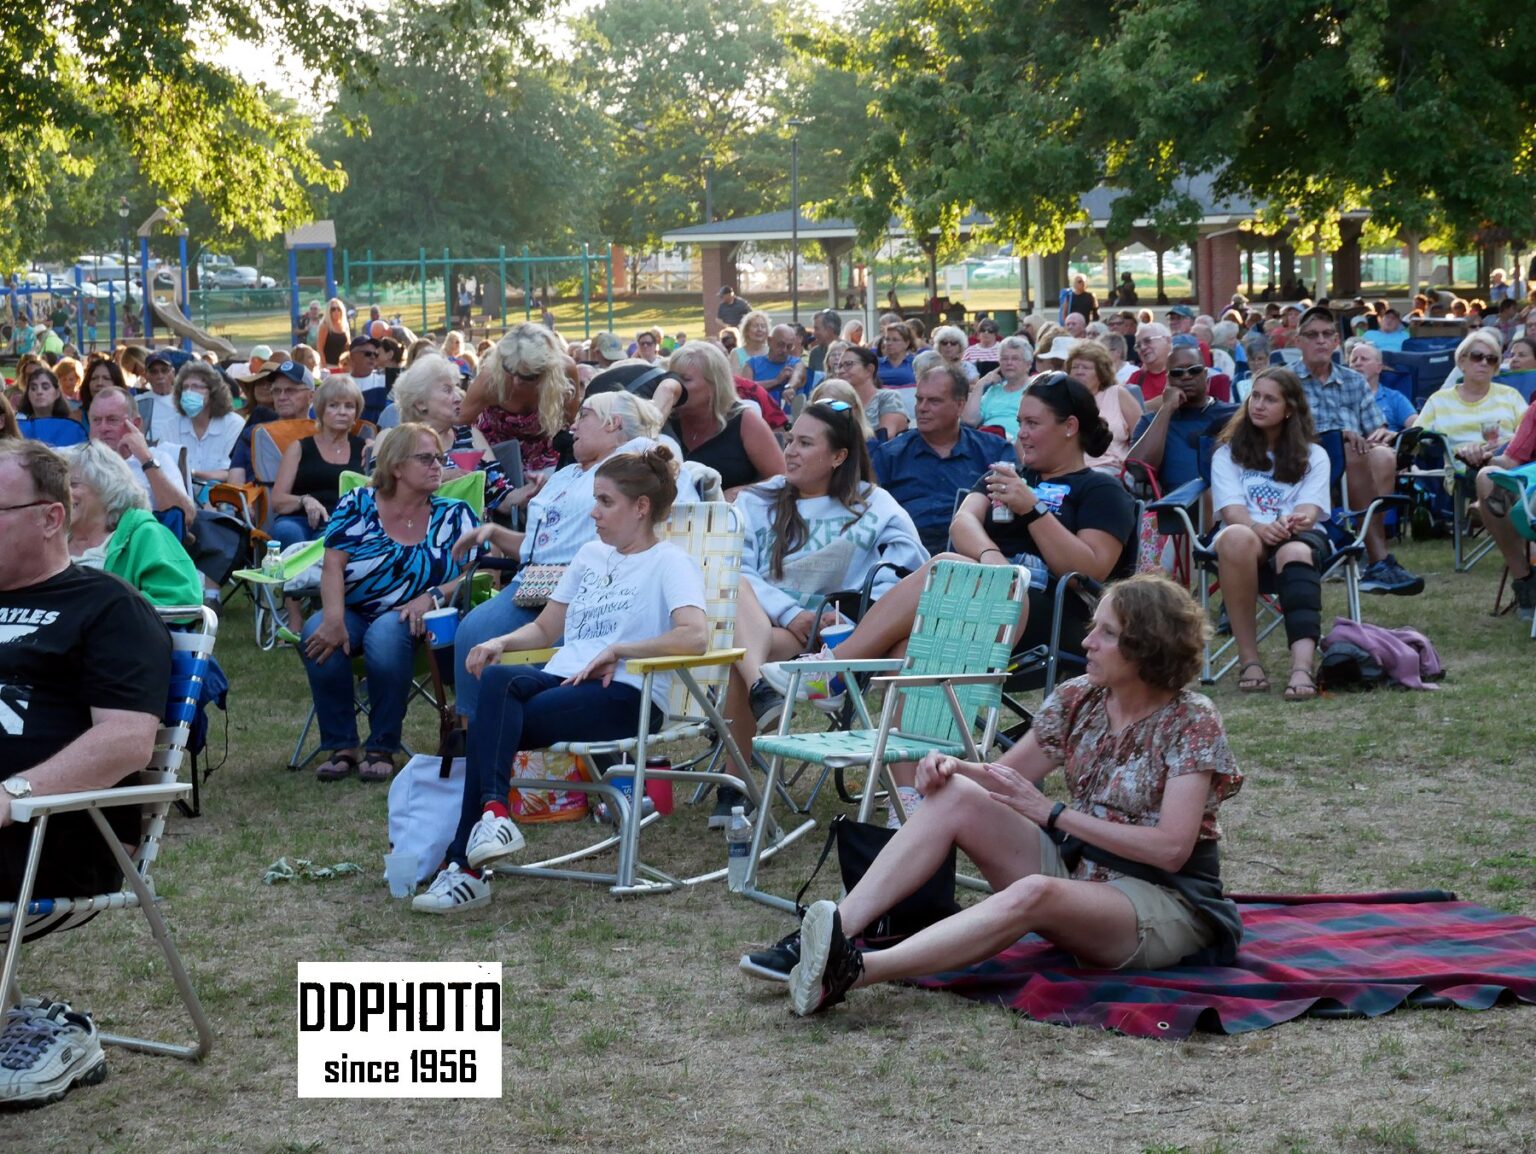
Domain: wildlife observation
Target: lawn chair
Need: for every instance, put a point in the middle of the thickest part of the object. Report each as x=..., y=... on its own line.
x=956, y=661
x=194, y=630
x=1445, y=489
x=712, y=535
x=1346, y=536
x=1515, y=484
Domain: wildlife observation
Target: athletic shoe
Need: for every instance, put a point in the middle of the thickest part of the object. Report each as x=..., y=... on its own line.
x=767, y=705
x=45, y=1051
x=829, y=964
x=820, y=690
x=492, y=839
x=453, y=890
x=1525, y=596
x=774, y=963
x=1387, y=576
x=727, y=798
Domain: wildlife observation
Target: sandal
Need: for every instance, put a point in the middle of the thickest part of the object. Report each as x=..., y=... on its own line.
x=339, y=766
x=1250, y=684
x=377, y=767
x=1304, y=692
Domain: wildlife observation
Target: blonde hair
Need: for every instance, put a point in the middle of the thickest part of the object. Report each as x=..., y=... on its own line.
x=413, y=386
x=533, y=351
x=336, y=387
x=837, y=389
x=636, y=416
x=394, y=448
x=1489, y=341
x=756, y=315
x=709, y=361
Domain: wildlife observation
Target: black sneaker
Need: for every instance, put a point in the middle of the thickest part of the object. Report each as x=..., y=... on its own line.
x=829, y=964
x=1396, y=580
x=774, y=963
x=1525, y=595
x=726, y=798
x=767, y=704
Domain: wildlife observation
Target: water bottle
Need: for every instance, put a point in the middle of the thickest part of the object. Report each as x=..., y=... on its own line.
x=738, y=848
x=272, y=562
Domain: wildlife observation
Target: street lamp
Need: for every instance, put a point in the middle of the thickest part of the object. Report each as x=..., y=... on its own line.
x=795, y=126
x=122, y=215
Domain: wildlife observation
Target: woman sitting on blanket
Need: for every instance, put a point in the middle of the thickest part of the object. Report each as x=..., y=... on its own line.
x=626, y=595
x=1123, y=874
x=1269, y=487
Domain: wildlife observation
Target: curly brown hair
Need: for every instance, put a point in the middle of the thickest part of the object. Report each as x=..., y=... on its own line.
x=1162, y=630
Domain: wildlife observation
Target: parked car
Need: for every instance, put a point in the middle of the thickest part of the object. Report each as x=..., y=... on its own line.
x=235, y=276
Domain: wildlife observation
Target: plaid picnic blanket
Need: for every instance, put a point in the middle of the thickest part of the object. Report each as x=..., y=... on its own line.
x=1328, y=955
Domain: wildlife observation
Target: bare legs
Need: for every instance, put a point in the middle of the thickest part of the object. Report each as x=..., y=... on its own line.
x=1512, y=547
x=1095, y=922
x=1239, y=553
x=763, y=641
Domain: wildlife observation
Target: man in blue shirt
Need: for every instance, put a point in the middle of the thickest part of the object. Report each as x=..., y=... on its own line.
x=1391, y=334
x=924, y=467
x=1168, y=437
x=779, y=370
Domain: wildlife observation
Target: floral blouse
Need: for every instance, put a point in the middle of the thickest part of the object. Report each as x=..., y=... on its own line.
x=499, y=425
x=1120, y=777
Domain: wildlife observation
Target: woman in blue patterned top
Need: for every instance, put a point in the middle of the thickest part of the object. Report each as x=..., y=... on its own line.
x=388, y=562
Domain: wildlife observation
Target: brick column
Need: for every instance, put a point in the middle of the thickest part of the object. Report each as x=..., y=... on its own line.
x=718, y=265
x=1218, y=271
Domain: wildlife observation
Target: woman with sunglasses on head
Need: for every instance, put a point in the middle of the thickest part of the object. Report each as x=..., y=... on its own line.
x=1269, y=488
x=388, y=562
x=1477, y=415
x=819, y=528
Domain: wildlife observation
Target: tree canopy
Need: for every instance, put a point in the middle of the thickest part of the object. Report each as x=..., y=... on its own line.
x=1421, y=111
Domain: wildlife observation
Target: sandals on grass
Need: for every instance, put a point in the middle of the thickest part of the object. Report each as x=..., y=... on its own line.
x=1304, y=691
x=377, y=767
x=339, y=766
x=1252, y=683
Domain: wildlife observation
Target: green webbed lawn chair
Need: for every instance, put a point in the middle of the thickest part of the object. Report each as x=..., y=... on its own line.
x=1514, y=482
x=956, y=661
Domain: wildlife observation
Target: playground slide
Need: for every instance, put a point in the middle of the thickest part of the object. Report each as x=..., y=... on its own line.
x=174, y=319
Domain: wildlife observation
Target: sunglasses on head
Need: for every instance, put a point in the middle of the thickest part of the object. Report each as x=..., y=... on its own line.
x=835, y=406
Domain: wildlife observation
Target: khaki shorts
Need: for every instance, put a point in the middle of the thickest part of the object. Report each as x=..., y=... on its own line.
x=1168, y=928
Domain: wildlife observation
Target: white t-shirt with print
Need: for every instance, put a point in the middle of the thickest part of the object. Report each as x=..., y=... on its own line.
x=1265, y=498
x=612, y=598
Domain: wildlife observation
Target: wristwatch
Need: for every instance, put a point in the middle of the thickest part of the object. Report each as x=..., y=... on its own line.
x=149, y=464
x=17, y=786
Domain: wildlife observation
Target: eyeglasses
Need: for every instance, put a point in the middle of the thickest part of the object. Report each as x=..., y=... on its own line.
x=1186, y=371
x=645, y=341
x=1316, y=334
x=365, y=352
x=1483, y=358
x=427, y=460
x=526, y=378
x=28, y=505
x=949, y=341
x=1148, y=342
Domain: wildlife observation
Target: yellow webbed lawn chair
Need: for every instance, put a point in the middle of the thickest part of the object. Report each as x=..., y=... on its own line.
x=711, y=533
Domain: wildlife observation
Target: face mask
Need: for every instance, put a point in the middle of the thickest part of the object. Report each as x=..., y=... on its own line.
x=191, y=403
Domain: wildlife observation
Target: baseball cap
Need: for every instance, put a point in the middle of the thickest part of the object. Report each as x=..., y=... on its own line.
x=1182, y=311
x=296, y=373
x=363, y=340
x=608, y=346
x=158, y=358
x=725, y=288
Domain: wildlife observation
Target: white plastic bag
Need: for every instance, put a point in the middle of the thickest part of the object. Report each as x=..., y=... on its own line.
x=424, y=810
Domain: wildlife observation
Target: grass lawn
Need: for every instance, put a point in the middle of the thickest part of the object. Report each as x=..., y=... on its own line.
x=628, y=1027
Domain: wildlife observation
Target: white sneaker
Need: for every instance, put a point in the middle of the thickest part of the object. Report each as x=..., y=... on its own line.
x=45, y=1051
x=819, y=689
x=452, y=890
x=492, y=839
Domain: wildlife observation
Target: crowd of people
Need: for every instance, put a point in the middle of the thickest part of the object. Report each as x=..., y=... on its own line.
x=855, y=459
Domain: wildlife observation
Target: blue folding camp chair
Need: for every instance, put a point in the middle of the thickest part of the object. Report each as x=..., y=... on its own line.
x=192, y=638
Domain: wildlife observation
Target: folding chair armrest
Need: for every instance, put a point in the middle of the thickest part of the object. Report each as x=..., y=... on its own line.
x=527, y=656
x=23, y=808
x=916, y=680
x=867, y=665
x=687, y=661
x=1173, y=508
x=257, y=577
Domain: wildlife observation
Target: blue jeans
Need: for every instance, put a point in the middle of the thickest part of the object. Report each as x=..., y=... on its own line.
x=388, y=653
x=292, y=529
x=512, y=722
x=492, y=618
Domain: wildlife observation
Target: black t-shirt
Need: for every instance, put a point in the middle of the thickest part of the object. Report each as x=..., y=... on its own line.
x=80, y=639
x=1087, y=499
x=733, y=313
